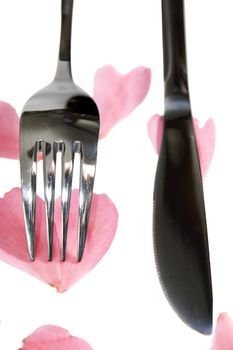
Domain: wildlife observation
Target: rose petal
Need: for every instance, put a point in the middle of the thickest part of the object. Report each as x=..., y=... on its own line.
x=53, y=337
x=205, y=143
x=101, y=232
x=205, y=137
x=9, y=131
x=223, y=336
x=13, y=240
x=117, y=95
x=61, y=275
x=155, y=131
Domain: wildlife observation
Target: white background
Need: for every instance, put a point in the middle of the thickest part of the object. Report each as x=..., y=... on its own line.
x=120, y=305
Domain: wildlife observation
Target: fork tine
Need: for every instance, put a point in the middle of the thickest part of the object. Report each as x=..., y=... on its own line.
x=67, y=175
x=28, y=168
x=87, y=174
x=49, y=165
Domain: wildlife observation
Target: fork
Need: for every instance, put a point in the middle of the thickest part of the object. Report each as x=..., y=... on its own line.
x=59, y=119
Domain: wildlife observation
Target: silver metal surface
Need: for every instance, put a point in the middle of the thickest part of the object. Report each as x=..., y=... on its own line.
x=59, y=118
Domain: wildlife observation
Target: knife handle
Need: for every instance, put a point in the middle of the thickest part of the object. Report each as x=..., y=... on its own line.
x=174, y=51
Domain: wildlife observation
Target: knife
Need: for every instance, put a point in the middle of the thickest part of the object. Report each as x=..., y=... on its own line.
x=179, y=220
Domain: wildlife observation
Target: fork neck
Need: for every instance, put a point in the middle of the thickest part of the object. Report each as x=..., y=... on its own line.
x=64, y=59
x=174, y=51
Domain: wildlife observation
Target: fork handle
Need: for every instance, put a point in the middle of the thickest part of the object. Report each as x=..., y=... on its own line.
x=66, y=25
x=174, y=51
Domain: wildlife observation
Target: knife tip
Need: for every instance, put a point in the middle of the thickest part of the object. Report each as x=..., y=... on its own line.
x=205, y=328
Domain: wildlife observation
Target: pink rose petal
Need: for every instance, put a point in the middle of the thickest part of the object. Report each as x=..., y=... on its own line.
x=155, y=131
x=205, y=143
x=9, y=131
x=205, y=137
x=223, y=336
x=117, y=95
x=102, y=228
x=53, y=338
x=61, y=275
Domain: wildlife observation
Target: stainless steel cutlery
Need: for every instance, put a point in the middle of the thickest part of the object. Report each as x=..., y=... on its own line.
x=59, y=118
x=62, y=118
x=179, y=220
